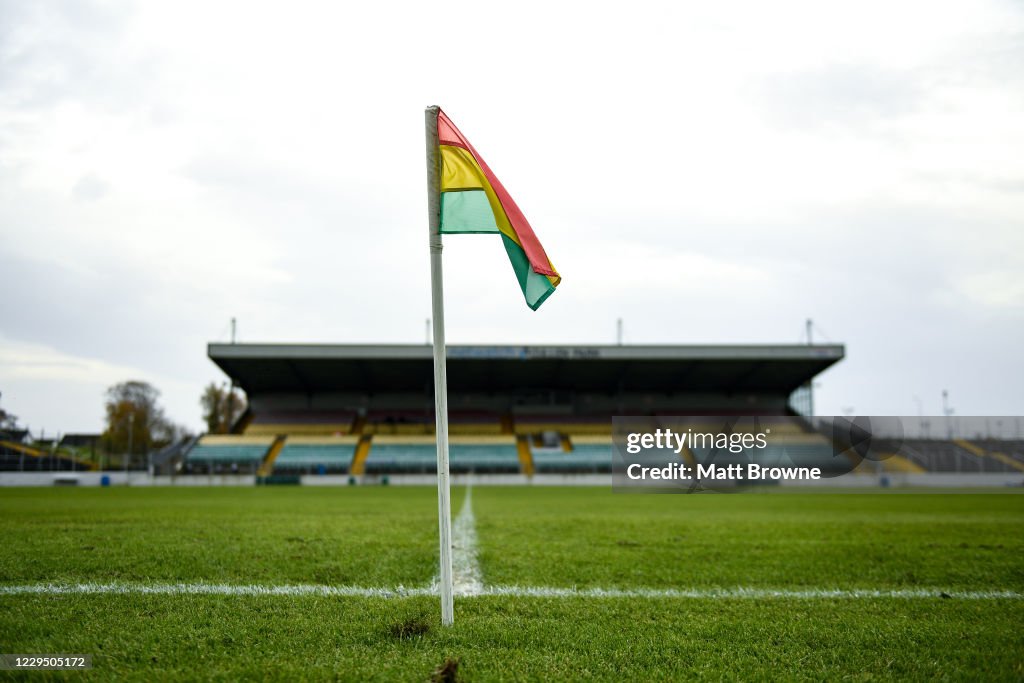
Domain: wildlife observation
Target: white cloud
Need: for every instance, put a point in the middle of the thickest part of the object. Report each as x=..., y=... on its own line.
x=57, y=391
x=19, y=361
x=999, y=290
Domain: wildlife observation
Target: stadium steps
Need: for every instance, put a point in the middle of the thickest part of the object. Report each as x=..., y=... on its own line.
x=897, y=463
x=359, y=424
x=970, y=447
x=268, y=460
x=977, y=450
x=1008, y=461
x=508, y=425
x=688, y=456
x=525, y=457
x=361, y=454
x=170, y=457
x=21, y=448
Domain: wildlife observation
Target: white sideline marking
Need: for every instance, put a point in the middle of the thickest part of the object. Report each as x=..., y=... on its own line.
x=466, y=575
x=210, y=589
x=748, y=593
x=738, y=593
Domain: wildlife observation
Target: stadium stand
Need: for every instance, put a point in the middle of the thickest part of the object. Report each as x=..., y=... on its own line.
x=514, y=409
x=222, y=453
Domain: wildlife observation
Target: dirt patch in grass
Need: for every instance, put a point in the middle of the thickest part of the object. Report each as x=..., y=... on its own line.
x=413, y=627
x=447, y=672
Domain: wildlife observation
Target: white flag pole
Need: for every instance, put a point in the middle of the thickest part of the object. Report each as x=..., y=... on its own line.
x=444, y=508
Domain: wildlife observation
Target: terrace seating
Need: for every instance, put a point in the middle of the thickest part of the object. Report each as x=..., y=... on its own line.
x=418, y=455
x=943, y=456
x=401, y=459
x=227, y=453
x=818, y=455
x=398, y=423
x=300, y=422
x=564, y=424
x=18, y=462
x=936, y=455
x=474, y=423
x=316, y=454
x=18, y=457
x=589, y=454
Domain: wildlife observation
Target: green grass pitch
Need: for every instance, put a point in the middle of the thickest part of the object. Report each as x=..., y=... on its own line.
x=911, y=548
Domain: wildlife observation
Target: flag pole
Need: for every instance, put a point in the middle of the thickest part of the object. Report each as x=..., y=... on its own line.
x=444, y=508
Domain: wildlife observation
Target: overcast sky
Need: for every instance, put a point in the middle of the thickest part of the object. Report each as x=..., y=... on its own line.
x=710, y=172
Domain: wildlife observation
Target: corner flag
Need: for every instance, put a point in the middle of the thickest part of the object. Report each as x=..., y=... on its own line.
x=464, y=196
x=473, y=200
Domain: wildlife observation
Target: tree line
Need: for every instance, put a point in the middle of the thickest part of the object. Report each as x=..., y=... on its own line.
x=137, y=424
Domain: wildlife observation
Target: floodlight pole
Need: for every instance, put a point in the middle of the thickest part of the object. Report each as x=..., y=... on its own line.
x=444, y=509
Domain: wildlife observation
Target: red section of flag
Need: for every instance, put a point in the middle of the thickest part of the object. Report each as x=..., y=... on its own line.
x=448, y=134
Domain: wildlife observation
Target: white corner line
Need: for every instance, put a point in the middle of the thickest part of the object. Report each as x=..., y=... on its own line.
x=295, y=590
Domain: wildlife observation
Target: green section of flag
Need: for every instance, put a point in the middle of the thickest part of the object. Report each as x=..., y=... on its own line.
x=536, y=288
x=466, y=211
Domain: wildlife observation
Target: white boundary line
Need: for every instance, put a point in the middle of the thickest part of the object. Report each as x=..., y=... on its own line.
x=738, y=593
x=749, y=593
x=466, y=573
x=209, y=589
